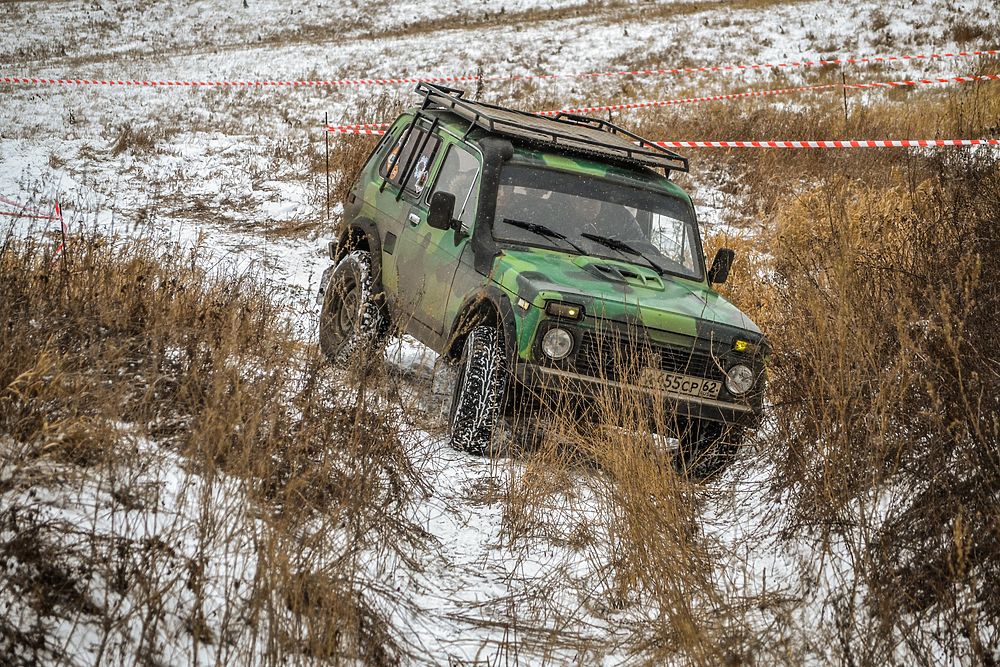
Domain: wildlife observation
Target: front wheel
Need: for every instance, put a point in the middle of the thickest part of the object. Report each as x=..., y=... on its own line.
x=351, y=321
x=478, y=390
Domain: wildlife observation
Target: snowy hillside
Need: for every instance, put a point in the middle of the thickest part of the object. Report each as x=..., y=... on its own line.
x=156, y=551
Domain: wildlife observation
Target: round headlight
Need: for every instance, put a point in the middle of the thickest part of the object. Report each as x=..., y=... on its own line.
x=557, y=343
x=739, y=380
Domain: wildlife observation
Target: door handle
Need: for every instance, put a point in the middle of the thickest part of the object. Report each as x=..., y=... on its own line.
x=414, y=219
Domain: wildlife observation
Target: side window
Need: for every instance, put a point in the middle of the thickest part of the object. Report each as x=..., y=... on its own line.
x=390, y=165
x=378, y=152
x=459, y=175
x=427, y=147
x=401, y=158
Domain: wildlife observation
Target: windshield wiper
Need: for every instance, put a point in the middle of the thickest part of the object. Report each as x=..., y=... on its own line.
x=623, y=247
x=542, y=230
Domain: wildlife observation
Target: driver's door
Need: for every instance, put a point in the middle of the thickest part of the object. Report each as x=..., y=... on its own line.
x=428, y=257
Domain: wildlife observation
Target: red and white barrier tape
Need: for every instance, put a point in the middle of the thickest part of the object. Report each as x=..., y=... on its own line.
x=845, y=143
x=776, y=91
x=924, y=82
x=498, y=77
x=29, y=216
x=376, y=128
x=840, y=143
x=347, y=129
x=22, y=211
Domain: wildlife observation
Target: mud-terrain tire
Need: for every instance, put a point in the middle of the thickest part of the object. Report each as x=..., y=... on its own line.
x=706, y=450
x=475, y=404
x=351, y=322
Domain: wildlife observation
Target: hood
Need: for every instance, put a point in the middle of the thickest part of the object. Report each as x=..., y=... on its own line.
x=620, y=291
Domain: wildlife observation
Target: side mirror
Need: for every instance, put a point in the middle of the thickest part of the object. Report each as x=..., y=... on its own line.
x=442, y=210
x=720, y=266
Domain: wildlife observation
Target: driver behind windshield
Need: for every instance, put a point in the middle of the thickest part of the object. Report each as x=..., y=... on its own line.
x=595, y=216
x=603, y=218
x=566, y=213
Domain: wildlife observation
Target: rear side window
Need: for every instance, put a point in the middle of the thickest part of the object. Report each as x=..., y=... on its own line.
x=459, y=175
x=410, y=160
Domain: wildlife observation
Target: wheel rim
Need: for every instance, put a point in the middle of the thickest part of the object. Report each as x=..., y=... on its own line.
x=347, y=310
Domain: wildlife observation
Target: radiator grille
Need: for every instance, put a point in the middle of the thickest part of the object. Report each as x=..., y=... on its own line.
x=610, y=357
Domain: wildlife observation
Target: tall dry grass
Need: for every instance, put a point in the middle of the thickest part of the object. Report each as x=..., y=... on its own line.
x=121, y=342
x=873, y=274
x=885, y=399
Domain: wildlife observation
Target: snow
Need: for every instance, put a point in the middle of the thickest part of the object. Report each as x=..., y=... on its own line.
x=227, y=166
x=163, y=524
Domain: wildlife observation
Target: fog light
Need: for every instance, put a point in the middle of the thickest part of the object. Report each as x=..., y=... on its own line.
x=557, y=343
x=739, y=380
x=569, y=311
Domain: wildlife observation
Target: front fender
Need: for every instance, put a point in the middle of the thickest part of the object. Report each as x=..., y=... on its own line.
x=489, y=305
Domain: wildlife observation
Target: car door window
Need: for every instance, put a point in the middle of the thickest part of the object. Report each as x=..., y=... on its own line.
x=401, y=160
x=459, y=175
x=389, y=169
x=417, y=179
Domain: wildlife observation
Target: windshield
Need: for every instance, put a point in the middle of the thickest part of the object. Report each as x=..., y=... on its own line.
x=586, y=214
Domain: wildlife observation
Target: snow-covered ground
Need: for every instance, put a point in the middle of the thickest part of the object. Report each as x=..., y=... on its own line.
x=235, y=170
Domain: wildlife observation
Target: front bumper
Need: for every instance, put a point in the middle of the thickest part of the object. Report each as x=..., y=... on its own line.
x=551, y=384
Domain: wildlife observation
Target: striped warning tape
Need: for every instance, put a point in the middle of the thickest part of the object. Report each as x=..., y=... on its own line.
x=23, y=211
x=836, y=143
x=29, y=216
x=498, y=77
x=376, y=128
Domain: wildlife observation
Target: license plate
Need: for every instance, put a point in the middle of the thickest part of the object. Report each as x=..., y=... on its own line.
x=688, y=385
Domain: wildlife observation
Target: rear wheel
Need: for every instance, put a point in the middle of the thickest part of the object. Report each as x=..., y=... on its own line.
x=707, y=449
x=478, y=390
x=351, y=322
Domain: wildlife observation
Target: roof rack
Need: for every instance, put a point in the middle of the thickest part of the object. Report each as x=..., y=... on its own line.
x=580, y=134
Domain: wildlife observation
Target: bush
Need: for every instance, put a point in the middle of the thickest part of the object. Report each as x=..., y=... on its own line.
x=884, y=389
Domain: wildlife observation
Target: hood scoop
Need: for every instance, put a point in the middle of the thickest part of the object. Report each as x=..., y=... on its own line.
x=623, y=273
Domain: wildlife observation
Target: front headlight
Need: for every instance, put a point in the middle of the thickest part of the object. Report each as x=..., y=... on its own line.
x=739, y=380
x=557, y=343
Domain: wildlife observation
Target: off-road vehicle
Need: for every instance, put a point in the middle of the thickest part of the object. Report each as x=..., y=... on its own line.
x=546, y=259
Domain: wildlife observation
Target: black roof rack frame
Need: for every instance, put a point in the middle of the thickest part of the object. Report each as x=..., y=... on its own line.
x=571, y=132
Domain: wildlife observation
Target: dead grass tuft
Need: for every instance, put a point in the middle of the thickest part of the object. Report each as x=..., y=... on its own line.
x=139, y=140
x=887, y=424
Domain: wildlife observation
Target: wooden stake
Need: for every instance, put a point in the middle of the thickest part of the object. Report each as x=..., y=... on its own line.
x=326, y=136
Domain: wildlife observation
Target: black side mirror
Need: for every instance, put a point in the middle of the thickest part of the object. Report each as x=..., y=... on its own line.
x=720, y=266
x=442, y=210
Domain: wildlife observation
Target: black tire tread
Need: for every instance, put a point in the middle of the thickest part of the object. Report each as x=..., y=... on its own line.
x=478, y=391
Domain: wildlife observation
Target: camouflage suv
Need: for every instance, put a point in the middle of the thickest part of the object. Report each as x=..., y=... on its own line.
x=549, y=263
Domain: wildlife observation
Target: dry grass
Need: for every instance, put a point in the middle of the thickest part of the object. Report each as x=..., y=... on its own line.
x=141, y=140
x=120, y=342
x=886, y=437
x=876, y=282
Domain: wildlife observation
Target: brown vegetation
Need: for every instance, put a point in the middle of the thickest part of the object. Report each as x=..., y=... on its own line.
x=119, y=341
